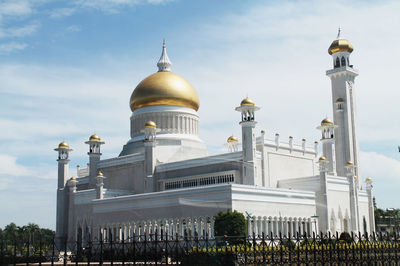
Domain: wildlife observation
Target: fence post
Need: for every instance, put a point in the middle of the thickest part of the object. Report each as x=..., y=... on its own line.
x=89, y=250
x=123, y=247
x=134, y=248
x=15, y=249
x=315, y=248
x=65, y=250
x=263, y=247
x=1, y=249
x=155, y=243
x=111, y=247
x=53, y=245
x=40, y=248
x=101, y=248
x=145, y=248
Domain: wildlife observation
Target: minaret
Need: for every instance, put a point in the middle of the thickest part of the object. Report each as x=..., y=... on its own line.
x=99, y=185
x=328, y=140
x=342, y=77
x=164, y=64
x=62, y=194
x=322, y=196
x=247, y=108
x=354, y=219
x=94, y=158
x=150, y=129
x=371, y=211
x=232, y=143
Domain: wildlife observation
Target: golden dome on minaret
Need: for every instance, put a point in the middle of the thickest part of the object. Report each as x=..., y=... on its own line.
x=150, y=124
x=326, y=122
x=232, y=139
x=94, y=137
x=164, y=88
x=340, y=45
x=63, y=145
x=247, y=101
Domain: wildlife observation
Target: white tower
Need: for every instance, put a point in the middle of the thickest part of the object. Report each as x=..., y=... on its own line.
x=247, y=108
x=350, y=167
x=150, y=129
x=322, y=196
x=343, y=100
x=328, y=140
x=62, y=194
x=94, y=158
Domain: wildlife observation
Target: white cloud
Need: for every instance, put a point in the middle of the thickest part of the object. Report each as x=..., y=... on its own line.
x=10, y=167
x=15, y=7
x=18, y=32
x=380, y=167
x=6, y=48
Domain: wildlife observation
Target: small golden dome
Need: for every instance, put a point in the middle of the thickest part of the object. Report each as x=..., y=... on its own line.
x=349, y=163
x=277, y=134
x=355, y=177
x=247, y=101
x=73, y=178
x=150, y=124
x=340, y=45
x=368, y=180
x=326, y=122
x=94, y=137
x=232, y=139
x=100, y=173
x=63, y=145
x=322, y=159
x=290, y=137
x=339, y=100
x=303, y=139
x=262, y=132
x=164, y=88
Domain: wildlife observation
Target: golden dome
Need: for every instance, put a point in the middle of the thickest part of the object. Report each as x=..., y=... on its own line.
x=94, y=137
x=349, y=163
x=368, y=180
x=232, y=139
x=63, y=145
x=326, y=122
x=322, y=159
x=164, y=88
x=340, y=45
x=100, y=173
x=150, y=124
x=339, y=100
x=73, y=178
x=247, y=101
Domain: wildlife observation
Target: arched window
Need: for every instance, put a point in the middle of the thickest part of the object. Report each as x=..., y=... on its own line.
x=337, y=64
x=343, y=61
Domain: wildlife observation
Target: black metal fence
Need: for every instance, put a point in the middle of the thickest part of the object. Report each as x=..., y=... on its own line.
x=161, y=249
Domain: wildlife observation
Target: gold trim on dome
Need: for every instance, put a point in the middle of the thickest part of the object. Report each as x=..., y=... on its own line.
x=150, y=124
x=94, y=137
x=340, y=45
x=63, y=145
x=326, y=122
x=232, y=139
x=164, y=88
x=247, y=101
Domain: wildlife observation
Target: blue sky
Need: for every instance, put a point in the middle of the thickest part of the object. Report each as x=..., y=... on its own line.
x=67, y=69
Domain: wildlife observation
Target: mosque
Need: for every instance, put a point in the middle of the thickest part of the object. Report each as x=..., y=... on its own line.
x=164, y=178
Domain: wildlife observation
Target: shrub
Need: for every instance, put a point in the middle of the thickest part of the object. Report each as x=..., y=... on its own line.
x=230, y=224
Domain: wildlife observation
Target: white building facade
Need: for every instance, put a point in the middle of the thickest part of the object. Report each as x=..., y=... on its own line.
x=164, y=179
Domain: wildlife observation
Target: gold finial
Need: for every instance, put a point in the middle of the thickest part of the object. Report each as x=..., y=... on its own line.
x=338, y=34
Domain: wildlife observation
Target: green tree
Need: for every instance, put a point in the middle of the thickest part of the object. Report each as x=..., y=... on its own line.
x=230, y=224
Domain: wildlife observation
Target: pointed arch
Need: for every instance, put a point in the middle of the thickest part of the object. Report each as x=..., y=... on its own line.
x=343, y=61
